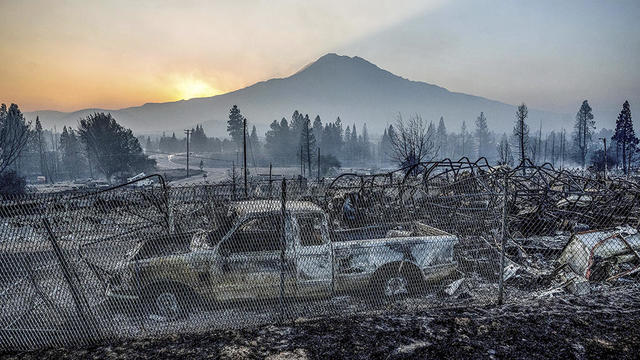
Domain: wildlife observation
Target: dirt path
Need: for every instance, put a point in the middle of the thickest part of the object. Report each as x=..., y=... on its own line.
x=602, y=325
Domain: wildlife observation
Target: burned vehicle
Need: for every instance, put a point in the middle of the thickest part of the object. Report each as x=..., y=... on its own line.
x=599, y=256
x=254, y=253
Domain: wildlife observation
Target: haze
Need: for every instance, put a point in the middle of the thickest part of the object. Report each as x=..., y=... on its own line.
x=79, y=54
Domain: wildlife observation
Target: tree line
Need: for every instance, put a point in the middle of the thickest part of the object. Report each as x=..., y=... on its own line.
x=98, y=146
x=584, y=147
x=101, y=146
x=295, y=141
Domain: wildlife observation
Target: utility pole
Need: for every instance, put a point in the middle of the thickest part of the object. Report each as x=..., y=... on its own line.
x=188, y=132
x=270, y=169
x=318, y=164
x=54, y=143
x=244, y=152
x=604, y=140
x=309, y=152
x=553, y=148
x=504, y=240
x=562, y=147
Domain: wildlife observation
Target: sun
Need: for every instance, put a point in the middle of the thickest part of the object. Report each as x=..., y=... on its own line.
x=189, y=88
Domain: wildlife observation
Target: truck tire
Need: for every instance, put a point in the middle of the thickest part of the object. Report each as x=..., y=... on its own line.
x=395, y=286
x=393, y=283
x=169, y=301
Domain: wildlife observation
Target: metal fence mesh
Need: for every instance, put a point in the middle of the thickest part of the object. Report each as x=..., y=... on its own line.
x=139, y=262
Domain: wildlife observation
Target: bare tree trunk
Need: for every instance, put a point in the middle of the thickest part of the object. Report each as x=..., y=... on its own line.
x=522, y=145
x=624, y=157
x=586, y=145
x=309, y=151
x=553, y=149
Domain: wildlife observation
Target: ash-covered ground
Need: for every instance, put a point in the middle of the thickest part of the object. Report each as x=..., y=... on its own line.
x=600, y=325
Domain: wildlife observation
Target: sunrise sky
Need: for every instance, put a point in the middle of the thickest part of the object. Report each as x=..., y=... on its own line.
x=68, y=55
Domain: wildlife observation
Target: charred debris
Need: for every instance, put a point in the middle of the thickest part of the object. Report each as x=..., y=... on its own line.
x=562, y=229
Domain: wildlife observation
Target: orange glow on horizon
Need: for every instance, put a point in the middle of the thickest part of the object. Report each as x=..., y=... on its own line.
x=73, y=55
x=190, y=87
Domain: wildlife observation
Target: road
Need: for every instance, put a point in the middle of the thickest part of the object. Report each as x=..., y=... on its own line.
x=214, y=174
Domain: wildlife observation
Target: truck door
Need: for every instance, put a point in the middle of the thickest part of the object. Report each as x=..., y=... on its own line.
x=313, y=255
x=249, y=264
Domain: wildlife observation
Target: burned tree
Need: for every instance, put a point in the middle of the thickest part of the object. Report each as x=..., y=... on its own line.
x=504, y=151
x=521, y=132
x=410, y=142
x=563, y=142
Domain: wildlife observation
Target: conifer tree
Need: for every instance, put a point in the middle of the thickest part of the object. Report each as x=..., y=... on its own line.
x=482, y=136
x=625, y=136
x=307, y=141
x=71, y=152
x=235, y=126
x=582, y=131
x=254, y=141
x=318, y=130
x=441, y=139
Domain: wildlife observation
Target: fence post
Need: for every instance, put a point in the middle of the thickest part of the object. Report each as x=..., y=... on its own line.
x=504, y=242
x=283, y=245
x=170, y=219
x=233, y=179
x=82, y=308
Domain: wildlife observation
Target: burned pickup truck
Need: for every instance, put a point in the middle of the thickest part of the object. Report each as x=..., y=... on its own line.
x=253, y=254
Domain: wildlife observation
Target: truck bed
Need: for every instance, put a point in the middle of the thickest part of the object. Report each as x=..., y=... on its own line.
x=383, y=231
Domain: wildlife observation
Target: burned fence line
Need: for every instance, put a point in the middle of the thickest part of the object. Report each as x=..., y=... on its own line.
x=158, y=260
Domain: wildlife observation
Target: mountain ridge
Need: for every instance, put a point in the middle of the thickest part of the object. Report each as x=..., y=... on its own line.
x=334, y=85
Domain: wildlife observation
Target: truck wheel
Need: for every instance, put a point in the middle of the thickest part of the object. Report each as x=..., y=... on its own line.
x=395, y=286
x=167, y=301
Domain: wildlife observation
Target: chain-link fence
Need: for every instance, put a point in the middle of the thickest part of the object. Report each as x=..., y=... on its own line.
x=146, y=261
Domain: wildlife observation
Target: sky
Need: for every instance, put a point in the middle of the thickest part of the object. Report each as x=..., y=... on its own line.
x=70, y=55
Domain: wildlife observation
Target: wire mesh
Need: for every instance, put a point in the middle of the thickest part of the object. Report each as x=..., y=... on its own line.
x=570, y=231
x=147, y=261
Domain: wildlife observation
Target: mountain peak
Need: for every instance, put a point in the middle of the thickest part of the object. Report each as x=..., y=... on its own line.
x=334, y=62
x=333, y=57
